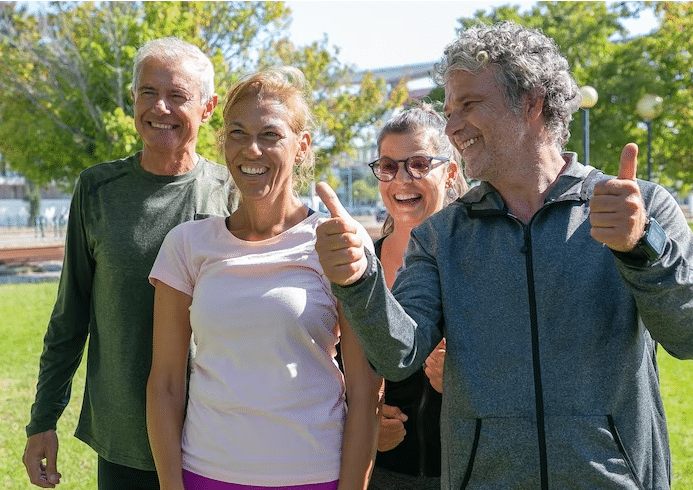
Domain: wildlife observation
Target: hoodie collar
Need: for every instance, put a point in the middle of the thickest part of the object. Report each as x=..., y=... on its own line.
x=575, y=183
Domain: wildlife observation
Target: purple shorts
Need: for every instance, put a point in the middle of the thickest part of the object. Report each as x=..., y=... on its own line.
x=192, y=481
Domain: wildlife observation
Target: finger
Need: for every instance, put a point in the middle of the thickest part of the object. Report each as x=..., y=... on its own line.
x=331, y=201
x=391, y=412
x=629, y=162
x=52, y=474
x=34, y=469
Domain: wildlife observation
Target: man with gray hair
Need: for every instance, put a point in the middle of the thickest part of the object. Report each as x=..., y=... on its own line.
x=552, y=284
x=120, y=213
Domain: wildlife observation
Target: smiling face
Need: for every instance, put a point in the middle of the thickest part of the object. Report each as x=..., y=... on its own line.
x=481, y=126
x=261, y=149
x=409, y=201
x=168, y=108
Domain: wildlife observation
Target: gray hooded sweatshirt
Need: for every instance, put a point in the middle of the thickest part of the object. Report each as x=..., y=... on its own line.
x=550, y=377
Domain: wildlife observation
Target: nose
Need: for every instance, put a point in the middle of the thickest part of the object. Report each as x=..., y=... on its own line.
x=161, y=107
x=252, y=149
x=453, y=125
x=402, y=175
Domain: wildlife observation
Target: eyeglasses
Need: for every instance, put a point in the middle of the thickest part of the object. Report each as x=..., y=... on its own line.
x=385, y=169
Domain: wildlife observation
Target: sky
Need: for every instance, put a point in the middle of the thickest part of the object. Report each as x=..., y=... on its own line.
x=382, y=34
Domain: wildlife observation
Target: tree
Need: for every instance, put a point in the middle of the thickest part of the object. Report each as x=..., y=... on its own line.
x=344, y=111
x=593, y=38
x=365, y=189
x=65, y=85
x=669, y=54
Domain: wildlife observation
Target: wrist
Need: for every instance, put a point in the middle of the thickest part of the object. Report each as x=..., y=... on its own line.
x=651, y=244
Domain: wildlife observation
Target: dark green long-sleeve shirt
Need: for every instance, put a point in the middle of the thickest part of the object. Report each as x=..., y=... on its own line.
x=119, y=216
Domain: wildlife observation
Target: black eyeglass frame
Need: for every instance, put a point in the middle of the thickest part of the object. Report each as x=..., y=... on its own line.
x=406, y=163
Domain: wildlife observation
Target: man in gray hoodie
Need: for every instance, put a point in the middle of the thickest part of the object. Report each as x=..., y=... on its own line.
x=552, y=283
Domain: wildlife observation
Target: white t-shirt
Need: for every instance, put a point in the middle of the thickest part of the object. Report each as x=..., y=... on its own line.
x=266, y=402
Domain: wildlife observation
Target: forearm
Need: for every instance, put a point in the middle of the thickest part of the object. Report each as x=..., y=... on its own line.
x=165, y=412
x=389, y=336
x=364, y=396
x=663, y=288
x=63, y=348
x=360, y=440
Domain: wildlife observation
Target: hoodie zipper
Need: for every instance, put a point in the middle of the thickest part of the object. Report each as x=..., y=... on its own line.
x=538, y=387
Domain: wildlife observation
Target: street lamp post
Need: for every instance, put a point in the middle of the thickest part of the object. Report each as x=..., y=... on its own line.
x=648, y=107
x=589, y=99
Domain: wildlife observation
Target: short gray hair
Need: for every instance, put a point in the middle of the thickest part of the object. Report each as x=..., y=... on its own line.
x=175, y=50
x=528, y=62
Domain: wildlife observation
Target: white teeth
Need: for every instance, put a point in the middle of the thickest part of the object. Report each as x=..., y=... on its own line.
x=406, y=197
x=468, y=143
x=253, y=170
x=161, y=126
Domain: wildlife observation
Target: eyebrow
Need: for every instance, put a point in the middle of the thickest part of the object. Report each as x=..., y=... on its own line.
x=272, y=127
x=173, y=90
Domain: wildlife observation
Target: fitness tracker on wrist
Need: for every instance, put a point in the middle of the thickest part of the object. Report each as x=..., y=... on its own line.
x=652, y=242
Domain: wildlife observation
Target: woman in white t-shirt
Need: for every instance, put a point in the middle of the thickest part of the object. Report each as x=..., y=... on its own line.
x=266, y=405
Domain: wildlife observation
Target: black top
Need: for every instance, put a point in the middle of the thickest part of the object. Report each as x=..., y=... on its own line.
x=419, y=453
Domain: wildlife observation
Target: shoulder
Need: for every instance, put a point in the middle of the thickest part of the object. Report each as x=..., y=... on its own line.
x=94, y=178
x=104, y=171
x=198, y=227
x=214, y=170
x=194, y=234
x=449, y=215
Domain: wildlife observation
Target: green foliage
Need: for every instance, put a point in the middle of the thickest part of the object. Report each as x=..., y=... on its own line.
x=33, y=197
x=593, y=38
x=366, y=189
x=65, y=100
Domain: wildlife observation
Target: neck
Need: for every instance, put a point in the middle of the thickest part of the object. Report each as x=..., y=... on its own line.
x=168, y=163
x=399, y=239
x=260, y=220
x=525, y=190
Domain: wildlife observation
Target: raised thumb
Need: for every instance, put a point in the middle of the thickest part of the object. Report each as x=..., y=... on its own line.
x=330, y=200
x=629, y=162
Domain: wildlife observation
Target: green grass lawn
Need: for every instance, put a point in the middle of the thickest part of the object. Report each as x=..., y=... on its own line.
x=25, y=309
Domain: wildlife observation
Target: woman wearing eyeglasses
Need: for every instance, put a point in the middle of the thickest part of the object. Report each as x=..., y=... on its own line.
x=418, y=175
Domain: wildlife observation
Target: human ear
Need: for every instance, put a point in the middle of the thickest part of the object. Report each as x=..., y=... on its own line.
x=304, y=142
x=452, y=172
x=209, y=107
x=534, y=104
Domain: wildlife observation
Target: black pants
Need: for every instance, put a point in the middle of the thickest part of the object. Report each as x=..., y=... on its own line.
x=116, y=477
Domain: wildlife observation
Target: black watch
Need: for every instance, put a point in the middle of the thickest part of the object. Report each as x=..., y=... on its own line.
x=652, y=242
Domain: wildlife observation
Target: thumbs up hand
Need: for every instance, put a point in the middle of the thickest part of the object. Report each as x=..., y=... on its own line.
x=339, y=247
x=617, y=211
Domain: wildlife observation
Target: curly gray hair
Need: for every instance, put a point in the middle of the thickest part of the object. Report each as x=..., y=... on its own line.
x=529, y=63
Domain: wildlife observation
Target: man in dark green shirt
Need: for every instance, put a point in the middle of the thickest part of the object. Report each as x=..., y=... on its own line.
x=120, y=213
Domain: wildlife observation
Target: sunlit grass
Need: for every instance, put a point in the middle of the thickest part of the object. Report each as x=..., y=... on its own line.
x=25, y=310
